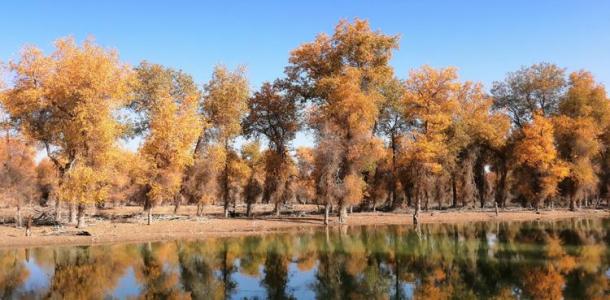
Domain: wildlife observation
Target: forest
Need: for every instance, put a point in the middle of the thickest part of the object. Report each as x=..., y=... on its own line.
x=384, y=139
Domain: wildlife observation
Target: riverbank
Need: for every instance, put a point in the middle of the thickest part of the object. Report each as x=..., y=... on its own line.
x=126, y=224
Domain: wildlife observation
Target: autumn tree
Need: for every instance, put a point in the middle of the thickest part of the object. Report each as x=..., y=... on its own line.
x=168, y=100
x=225, y=104
x=530, y=90
x=539, y=166
x=202, y=185
x=17, y=174
x=584, y=114
x=305, y=174
x=47, y=181
x=429, y=100
x=478, y=134
x=255, y=160
x=66, y=102
x=273, y=115
x=392, y=125
x=341, y=75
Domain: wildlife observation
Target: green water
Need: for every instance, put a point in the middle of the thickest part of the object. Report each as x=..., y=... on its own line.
x=533, y=260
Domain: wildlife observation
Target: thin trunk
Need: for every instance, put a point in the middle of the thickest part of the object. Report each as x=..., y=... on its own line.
x=177, y=201
x=28, y=228
x=226, y=182
x=496, y=207
x=81, y=216
x=351, y=209
x=249, y=209
x=326, y=212
x=426, y=203
x=19, y=221
x=72, y=213
x=149, y=215
x=343, y=214
x=453, y=192
x=57, y=210
x=417, y=209
x=393, y=182
x=572, y=203
x=440, y=202
x=276, y=209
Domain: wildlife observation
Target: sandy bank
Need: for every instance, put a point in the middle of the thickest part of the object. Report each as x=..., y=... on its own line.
x=115, y=227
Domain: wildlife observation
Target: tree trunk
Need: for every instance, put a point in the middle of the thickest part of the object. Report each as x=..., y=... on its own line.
x=496, y=207
x=343, y=214
x=81, y=216
x=426, y=203
x=351, y=209
x=226, y=184
x=572, y=203
x=326, y=212
x=57, y=210
x=249, y=209
x=440, y=203
x=19, y=221
x=28, y=227
x=453, y=193
x=276, y=209
x=149, y=215
x=72, y=214
x=417, y=209
x=177, y=201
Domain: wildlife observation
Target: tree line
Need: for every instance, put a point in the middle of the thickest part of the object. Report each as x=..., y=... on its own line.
x=539, y=137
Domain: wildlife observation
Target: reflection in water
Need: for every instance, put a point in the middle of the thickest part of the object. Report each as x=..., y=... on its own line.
x=567, y=259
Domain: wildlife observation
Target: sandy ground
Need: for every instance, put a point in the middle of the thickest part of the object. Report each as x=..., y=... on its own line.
x=119, y=224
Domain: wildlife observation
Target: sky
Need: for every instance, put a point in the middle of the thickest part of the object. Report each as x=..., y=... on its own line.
x=483, y=39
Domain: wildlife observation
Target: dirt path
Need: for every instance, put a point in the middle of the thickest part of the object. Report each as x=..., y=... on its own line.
x=115, y=227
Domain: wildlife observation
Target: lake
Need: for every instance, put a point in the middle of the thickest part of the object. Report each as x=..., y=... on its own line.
x=529, y=260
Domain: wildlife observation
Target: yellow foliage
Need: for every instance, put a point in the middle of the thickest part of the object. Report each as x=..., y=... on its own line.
x=173, y=127
x=85, y=185
x=537, y=153
x=225, y=101
x=78, y=89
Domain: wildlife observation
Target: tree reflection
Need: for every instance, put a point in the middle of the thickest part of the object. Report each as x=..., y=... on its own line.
x=13, y=274
x=566, y=259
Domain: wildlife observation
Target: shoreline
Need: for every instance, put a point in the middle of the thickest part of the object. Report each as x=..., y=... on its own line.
x=189, y=227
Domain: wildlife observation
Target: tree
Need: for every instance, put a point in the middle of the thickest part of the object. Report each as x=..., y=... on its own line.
x=584, y=114
x=392, y=125
x=540, y=169
x=202, y=184
x=169, y=100
x=430, y=100
x=305, y=179
x=66, y=101
x=274, y=116
x=47, y=181
x=537, y=88
x=342, y=76
x=254, y=159
x=477, y=135
x=225, y=104
x=17, y=174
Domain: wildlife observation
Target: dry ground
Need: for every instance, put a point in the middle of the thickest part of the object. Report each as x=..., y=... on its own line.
x=127, y=224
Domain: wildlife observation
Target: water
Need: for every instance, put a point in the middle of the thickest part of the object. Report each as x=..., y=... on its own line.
x=532, y=260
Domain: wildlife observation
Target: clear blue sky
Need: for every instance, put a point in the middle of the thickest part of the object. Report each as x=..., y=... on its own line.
x=484, y=39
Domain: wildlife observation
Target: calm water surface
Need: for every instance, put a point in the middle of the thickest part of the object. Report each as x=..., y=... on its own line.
x=533, y=260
